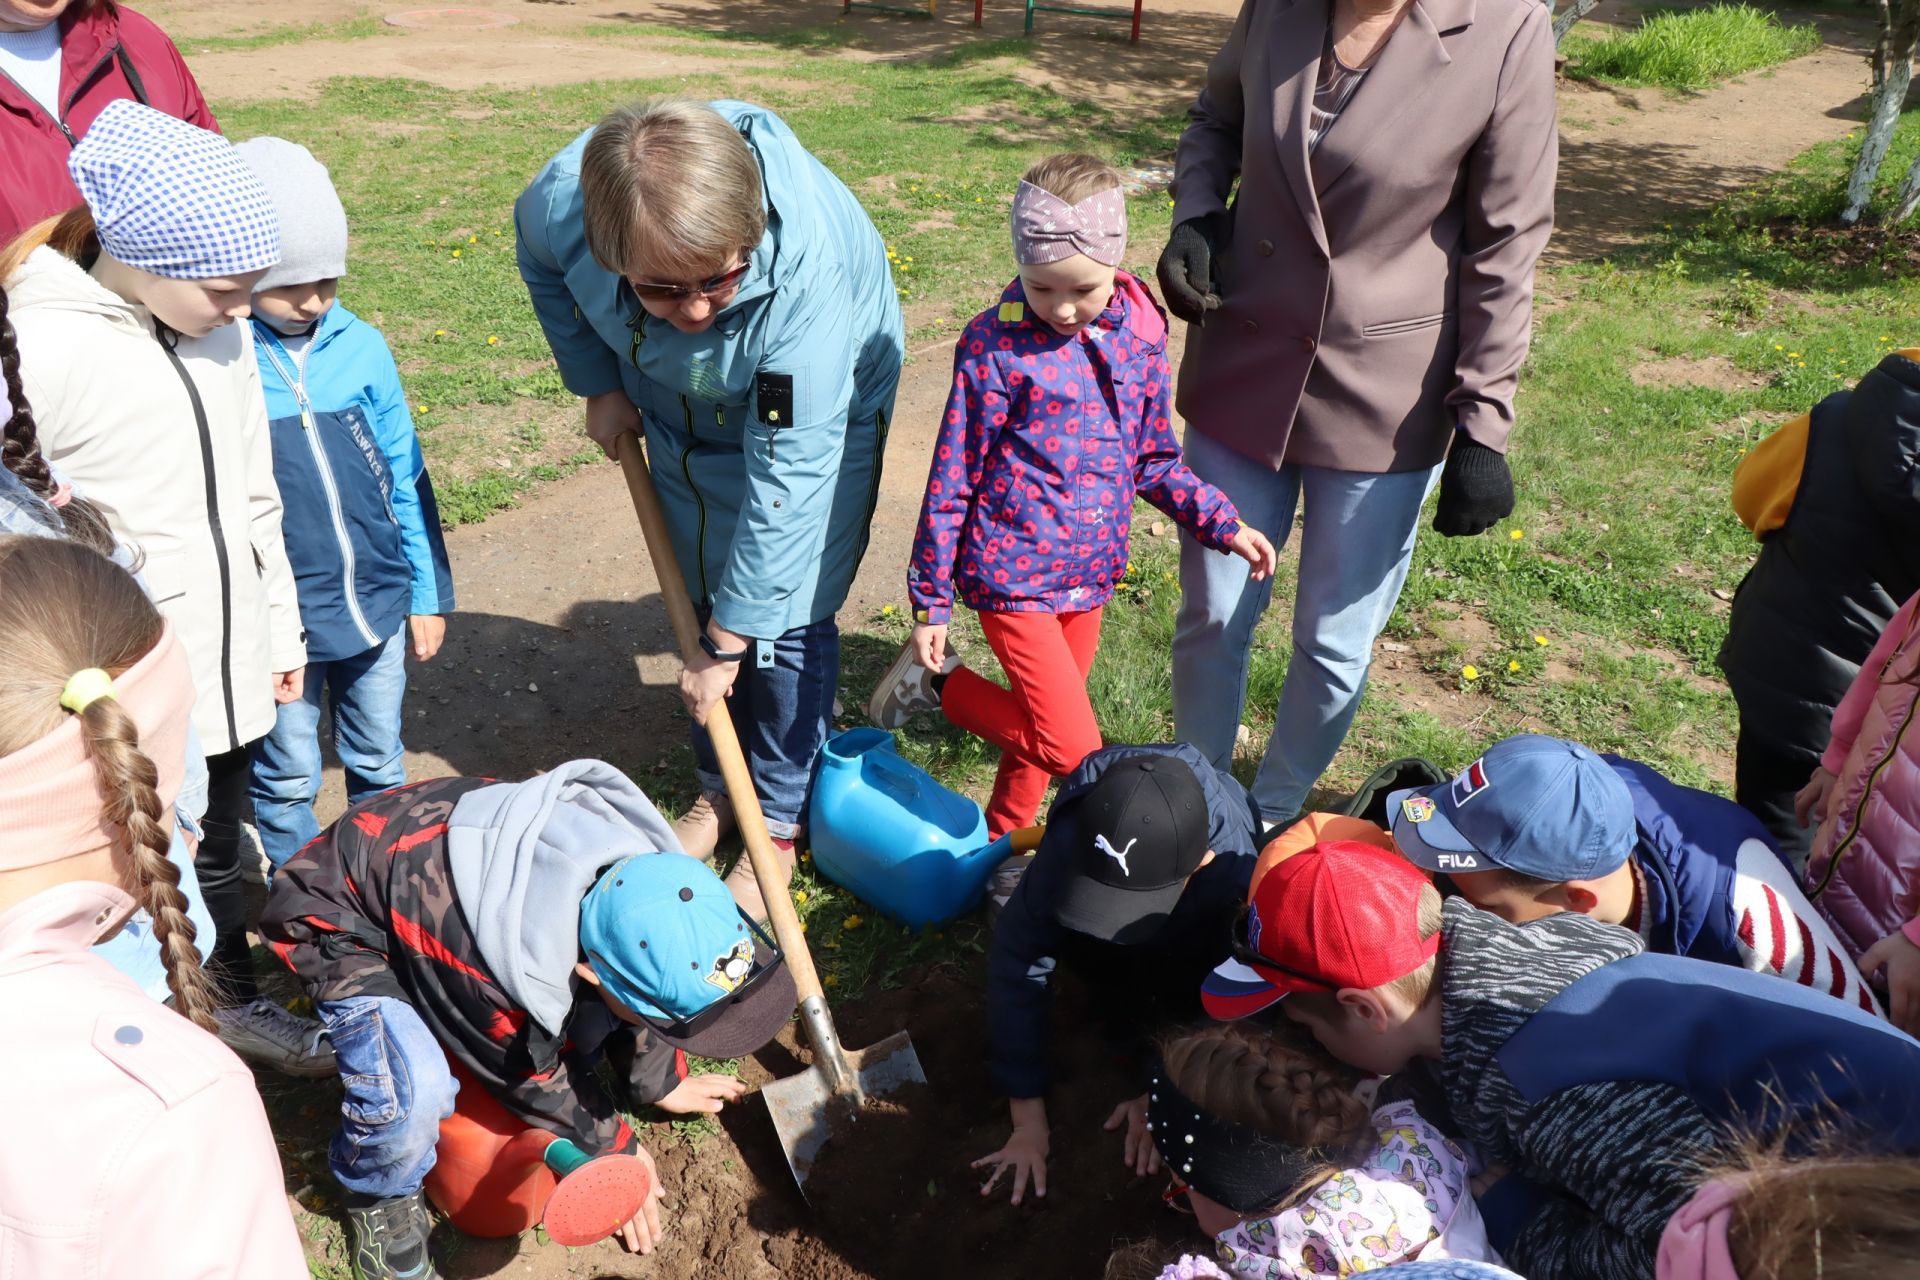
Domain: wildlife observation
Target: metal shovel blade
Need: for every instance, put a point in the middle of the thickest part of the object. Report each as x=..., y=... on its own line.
x=803, y=1106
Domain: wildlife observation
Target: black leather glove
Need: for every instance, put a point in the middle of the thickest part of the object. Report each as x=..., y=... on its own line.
x=1187, y=265
x=1476, y=490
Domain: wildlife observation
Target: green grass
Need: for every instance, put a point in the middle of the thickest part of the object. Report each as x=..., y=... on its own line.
x=1691, y=49
x=359, y=28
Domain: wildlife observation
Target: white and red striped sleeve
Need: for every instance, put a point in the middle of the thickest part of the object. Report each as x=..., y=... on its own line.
x=1781, y=933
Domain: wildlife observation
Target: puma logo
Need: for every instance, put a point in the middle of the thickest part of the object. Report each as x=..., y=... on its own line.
x=1105, y=846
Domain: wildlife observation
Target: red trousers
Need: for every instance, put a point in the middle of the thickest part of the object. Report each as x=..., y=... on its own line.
x=1044, y=723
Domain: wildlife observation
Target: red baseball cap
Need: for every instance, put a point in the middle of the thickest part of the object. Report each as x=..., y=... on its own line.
x=1340, y=914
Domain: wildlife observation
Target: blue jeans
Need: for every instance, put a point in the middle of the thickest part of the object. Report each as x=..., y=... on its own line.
x=397, y=1091
x=782, y=708
x=366, y=692
x=1355, y=546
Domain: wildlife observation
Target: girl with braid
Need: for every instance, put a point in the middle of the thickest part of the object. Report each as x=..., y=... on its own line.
x=1286, y=1166
x=145, y=1150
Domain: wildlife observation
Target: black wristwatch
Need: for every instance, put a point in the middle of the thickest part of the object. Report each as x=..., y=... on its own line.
x=718, y=654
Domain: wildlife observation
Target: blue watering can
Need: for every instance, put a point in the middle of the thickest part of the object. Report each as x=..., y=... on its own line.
x=897, y=839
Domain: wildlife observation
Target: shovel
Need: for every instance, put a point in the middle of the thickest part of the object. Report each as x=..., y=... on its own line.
x=841, y=1080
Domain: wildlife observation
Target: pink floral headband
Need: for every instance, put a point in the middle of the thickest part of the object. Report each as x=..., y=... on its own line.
x=1047, y=228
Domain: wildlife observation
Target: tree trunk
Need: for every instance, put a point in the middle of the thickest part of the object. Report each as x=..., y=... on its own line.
x=1909, y=200
x=1897, y=40
x=1575, y=11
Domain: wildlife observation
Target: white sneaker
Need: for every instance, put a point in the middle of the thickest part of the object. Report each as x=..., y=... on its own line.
x=262, y=1031
x=907, y=689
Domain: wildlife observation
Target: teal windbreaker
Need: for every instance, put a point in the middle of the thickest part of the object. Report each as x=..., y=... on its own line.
x=769, y=519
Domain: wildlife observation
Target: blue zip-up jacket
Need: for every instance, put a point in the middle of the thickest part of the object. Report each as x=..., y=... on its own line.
x=362, y=526
x=1140, y=990
x=769, y=502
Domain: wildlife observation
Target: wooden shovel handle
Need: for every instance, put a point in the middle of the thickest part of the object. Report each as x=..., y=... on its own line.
x=726, y=743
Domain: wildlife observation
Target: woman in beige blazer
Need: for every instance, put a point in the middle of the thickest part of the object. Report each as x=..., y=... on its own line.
x=1359, y=311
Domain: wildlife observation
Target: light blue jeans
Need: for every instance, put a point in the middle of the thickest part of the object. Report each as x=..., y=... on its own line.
x=396, y=1091
x=1355, y=545
x=366, y=692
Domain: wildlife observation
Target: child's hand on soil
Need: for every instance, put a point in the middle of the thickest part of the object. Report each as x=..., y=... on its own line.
x=1139, y=1154
x=289, y=685
x=1811, y=805
x=1252, y=546
x=703, y=1093
x=1025, y=1154
x=930, y=644
x=427, y=631
x=1900, y=960
x=643, y=1232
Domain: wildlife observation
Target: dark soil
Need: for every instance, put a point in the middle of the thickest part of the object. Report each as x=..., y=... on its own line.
x=1893, y=251
x=892, y=1194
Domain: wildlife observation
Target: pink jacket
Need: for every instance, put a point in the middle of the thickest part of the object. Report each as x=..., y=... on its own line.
x=1864, y=874
x=136, y=1144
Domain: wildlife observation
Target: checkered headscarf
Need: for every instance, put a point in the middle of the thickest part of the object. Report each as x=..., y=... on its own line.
x=172, y=198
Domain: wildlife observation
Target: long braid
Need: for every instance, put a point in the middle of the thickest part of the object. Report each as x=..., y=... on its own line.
x=20, y=450
x=1278, y=1084
x=63, y=609
x=127, y=779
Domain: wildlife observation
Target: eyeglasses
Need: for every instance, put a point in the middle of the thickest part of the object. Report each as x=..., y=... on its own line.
x=686, y=292
x=1246, y=953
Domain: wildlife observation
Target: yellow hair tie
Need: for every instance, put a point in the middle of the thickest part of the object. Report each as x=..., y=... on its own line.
x=84, y=688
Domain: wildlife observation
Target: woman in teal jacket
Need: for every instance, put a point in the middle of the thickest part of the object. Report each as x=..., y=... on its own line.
x=700, y=275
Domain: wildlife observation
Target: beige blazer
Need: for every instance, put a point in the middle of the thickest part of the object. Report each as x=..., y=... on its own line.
x=1379, y=293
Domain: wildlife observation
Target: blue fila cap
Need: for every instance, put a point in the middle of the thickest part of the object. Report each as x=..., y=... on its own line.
x=1532, y=804
x=669, y=943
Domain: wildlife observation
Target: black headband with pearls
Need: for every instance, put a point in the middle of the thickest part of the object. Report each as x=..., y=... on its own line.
x=1231, y=1164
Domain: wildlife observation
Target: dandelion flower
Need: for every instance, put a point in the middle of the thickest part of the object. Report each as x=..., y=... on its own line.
x=419, y=408
x=493, y=340
x=456, y=253
x=1470, y=671
x=473, y=239
x=852, y=922
x=1793, y=355
x=439, y=333
x=1516, y=534
x=1513, y=665
x=1540, y=640
x=1778, y=347
x=832, y=980
x=799, y=897
x=1885, y=338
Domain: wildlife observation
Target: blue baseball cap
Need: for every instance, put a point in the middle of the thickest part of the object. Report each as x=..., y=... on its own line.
x=1532, y=804
x=667, y=940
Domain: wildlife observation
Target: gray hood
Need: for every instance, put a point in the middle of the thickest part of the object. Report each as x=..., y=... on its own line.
x=523, y=855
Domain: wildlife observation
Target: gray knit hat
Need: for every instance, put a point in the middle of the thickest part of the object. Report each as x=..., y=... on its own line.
x=313, y=226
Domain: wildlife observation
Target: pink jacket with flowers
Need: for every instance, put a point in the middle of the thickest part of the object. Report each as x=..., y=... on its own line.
x=135, y=1142
x=1865, y=871
x=1045, y=444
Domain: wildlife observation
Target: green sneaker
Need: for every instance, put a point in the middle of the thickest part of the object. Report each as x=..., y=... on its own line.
x=389, y=1239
